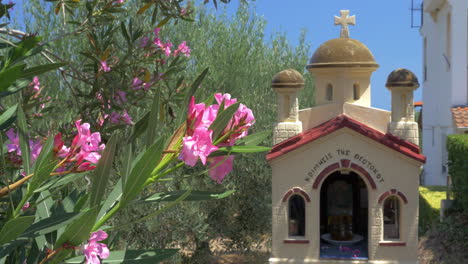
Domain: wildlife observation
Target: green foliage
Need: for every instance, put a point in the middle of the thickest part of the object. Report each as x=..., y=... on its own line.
x=429, y=205
x=457, y=147
x=75, y=37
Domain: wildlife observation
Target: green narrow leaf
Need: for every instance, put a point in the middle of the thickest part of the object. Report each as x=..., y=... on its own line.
x=153, y=120
x=193, y=196
x=139, y=127
x=50, y=224
x=143, y=9
x=223, y=119
x=7, y=115
x=244, y=149
x=10, y=75
x=125, y=33
x=60, y=181
x=133, y=256
x=23, y=140
x=6, y=248
x=190, y=93
x=253, y=139
x=111, y=200
x=101, y=175
x=127, y=163
x=44, y=165
x=78, y=231
x=15, y=227
x=31, y=72
x=142, y=171
x=43, y=206
x=163, y=22
x=17, y=86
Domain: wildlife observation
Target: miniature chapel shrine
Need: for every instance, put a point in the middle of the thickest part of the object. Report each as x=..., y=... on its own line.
x=345, y=176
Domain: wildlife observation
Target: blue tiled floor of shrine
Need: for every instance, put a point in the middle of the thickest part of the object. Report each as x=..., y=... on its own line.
x=356, y=251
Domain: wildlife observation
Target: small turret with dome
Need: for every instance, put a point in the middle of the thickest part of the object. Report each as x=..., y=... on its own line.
x=342, y=68
x=402, y=83
x=287, y=84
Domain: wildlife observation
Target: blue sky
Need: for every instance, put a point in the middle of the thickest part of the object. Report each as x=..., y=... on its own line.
x=383, y=25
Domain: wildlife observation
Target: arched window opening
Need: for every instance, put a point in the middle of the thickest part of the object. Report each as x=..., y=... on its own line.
x=356, y=92
x=296, y=216
x=329, y=92
x=391, y=218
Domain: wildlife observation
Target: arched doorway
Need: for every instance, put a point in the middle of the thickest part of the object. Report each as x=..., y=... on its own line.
x=344, y=216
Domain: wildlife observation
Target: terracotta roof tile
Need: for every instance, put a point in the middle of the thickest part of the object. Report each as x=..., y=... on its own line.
x=460, y=116
x=405, y=147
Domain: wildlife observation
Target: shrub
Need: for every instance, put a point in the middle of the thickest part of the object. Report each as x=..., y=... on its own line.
x=457, y=146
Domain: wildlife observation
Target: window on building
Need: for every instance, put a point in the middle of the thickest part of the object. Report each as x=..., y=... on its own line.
x=391, y=218
x=356, y=91
x=296, y=216
x=329, y=92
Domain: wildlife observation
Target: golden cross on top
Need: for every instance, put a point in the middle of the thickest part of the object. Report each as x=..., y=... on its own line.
x=344, y=21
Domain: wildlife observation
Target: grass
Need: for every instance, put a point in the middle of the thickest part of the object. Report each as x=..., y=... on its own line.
x=429, y=205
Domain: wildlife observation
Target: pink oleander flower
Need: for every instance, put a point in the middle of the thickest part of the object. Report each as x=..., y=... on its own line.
x=198, y=145
x=84, y=149
x=157, y=42
x=104, y=67
x=219, y=167
x=156, y=31
x=183, y=11
x=25, y=207
x=198, y=142
x=166, y=47
x=144, y=42
x=200, y=115
x=120, y=97
x=126, y=118
x=14, y=139
x=119, y=2
x=94, y=251
x=136, y=83
x=182, y=48
x=226, y=98
x=116, y=118
x=36, y=84
x=35, y=146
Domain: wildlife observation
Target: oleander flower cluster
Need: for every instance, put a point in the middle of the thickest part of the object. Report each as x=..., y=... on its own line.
x=199, y=142
x=84, y=152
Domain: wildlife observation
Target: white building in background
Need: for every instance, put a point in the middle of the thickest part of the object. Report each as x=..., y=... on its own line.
x=445, y=84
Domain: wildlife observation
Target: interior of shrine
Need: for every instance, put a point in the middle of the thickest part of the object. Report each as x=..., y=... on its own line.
x=344, y=217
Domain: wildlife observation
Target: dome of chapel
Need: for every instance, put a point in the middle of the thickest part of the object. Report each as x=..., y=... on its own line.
x=342, y=52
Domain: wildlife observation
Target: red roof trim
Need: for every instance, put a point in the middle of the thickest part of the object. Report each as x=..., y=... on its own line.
x=405, y=147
